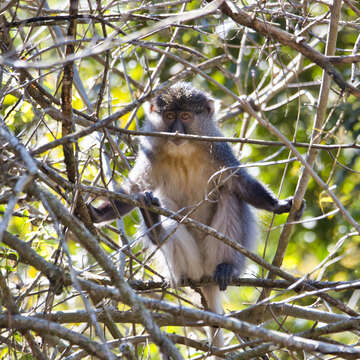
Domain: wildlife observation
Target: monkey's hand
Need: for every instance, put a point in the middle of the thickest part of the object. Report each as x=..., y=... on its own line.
x=108, y=210
x=285, y=206
x=223, y=275
x=101, y=214
x=94, y=214
x=150, y=218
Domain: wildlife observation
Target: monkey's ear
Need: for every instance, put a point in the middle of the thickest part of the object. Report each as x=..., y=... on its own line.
x=214, y=106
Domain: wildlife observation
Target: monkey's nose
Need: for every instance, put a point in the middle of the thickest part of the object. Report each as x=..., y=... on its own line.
x=175, y=140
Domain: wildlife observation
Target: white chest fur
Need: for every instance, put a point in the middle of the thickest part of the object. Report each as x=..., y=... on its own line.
x=181, y=175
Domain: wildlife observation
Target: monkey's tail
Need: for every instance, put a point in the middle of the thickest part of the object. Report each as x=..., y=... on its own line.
x=213, y=298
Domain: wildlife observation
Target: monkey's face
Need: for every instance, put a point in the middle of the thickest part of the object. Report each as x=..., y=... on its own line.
x=172, y=121
x=181, y=121
x=180, y=109
x=178, y=121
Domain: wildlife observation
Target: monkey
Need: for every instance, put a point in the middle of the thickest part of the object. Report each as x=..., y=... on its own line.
x=204, y=178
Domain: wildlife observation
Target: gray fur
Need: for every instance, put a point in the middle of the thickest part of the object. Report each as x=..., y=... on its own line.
x=182, y=96
x=186, y=175
x=178, y=175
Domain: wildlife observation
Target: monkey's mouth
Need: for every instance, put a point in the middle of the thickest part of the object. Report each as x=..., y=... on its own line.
x=177, y=141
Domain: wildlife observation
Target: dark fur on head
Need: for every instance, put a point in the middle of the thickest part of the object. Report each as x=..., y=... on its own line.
x=182, y=97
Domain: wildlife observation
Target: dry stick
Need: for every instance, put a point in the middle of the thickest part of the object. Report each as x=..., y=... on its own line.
x=242, y=327
x=247, y=107
x=22, y=182
x=340, y=326
x=65, y=317
x=113, y=329
x=293, y=41
x=10, y=304
x=345, y=59
x=75, y=136
x=45, y=327
x=195, y=224
x=138, y=339
x=67, y=123
x=25, y=251
x=232, y=324
x=94, y=248
x=236, y=246
x=74, y=279
x=54, y=276
x=108, y=177
x=305, y=177
x=57, y=277
x=136, y=103
x=128, y=296
x=295, y=311
x=210, y=231
x=70, y=159
x=110, y=43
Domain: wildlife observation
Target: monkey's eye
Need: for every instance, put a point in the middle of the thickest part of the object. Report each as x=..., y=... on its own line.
x=186, y=116
x=169, y=116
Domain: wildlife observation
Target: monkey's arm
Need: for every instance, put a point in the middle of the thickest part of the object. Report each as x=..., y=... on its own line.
x=248, y=188
x=109, y=210
x=139, y=180
x=151, y=219
x=257, y=195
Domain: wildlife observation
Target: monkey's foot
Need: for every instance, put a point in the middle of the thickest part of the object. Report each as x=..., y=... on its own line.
x=148, y=199
x=150, y=218
x=223, y=275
